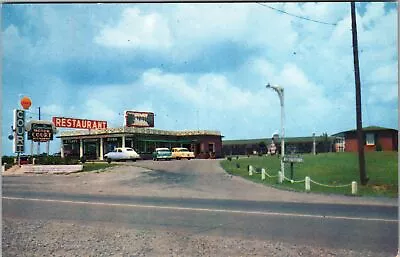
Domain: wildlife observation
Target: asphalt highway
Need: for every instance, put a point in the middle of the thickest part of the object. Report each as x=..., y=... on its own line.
x=373, y=228
x=123, y=200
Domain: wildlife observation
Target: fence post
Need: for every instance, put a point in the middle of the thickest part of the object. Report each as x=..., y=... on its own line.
x=353, y=188
x=262, y=174
x=280, y=177
x=3, y=167
x=307, y=184
x=250, y=170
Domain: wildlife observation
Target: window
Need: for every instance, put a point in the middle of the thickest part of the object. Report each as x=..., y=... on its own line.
x=370, y=139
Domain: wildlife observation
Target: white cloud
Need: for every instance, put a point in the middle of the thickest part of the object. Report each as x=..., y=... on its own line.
x=211, y=91
x=137, y=30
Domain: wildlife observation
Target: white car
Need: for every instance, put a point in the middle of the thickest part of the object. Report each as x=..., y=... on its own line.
x=122, y=154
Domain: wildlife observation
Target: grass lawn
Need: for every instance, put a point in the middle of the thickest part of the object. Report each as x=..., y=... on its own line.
x=96, y=166
x=327, y=168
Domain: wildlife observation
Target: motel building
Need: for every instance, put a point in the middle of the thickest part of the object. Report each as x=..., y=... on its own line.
x=93, y=139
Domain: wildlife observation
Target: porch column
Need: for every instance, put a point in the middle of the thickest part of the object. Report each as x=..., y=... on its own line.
x=101, y=149
x=123, y=141
x=80, y=147
x=62, y=148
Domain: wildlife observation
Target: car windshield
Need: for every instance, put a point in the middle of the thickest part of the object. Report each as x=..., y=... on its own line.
x=164, y=151
x=183, y=150
x=129, y=149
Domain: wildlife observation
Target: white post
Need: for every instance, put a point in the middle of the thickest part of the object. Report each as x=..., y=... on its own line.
x=123, y=141
x=262, y=174
x=3, y=168
x=314, y=144
x=250, y=170
x=62, y=149
x=101, y=150
x=353, y=188
x=307, y=184
x=80, y=148
x=280, y=177
x=48, y=147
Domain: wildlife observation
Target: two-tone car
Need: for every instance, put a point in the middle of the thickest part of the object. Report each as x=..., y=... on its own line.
x=122, y=154
x=182, y=153
x=162, y=154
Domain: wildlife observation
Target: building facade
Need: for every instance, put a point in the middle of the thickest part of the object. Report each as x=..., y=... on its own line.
x=93, y=144
x=292, y=145
x=375, y=139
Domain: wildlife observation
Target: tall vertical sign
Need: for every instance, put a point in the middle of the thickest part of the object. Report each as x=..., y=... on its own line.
x=19, y=126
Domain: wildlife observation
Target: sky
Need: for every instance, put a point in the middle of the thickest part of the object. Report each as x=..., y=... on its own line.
x=201, y=66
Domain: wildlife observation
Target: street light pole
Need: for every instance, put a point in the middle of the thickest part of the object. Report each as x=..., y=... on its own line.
x=280, y=92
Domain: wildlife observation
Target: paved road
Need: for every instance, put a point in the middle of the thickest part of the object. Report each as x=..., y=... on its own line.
x=340, y=226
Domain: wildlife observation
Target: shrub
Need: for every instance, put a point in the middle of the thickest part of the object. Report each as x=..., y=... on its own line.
x=378, y=147
x=7, y=159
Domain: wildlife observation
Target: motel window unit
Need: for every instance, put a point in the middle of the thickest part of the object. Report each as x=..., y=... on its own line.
x=370, y=139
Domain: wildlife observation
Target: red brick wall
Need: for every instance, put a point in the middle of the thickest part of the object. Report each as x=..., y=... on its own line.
x=205, y=140
x=351, y=145
x=387, y=139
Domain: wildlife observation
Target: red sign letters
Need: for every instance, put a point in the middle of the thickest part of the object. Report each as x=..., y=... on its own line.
x=79, y=123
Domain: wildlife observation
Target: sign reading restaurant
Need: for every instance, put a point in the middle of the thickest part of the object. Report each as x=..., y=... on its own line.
x=62, y=122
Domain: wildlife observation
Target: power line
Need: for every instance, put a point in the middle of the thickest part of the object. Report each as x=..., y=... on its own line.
x=297, y=16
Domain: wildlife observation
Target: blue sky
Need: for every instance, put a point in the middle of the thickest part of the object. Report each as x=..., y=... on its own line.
x=201, y=66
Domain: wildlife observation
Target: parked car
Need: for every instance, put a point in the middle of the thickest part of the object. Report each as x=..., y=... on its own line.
x=182, y=153
x=122, y=154
x=162, y=154
x=23, y=159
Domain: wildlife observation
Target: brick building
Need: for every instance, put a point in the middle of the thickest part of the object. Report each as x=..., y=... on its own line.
x=375, y=139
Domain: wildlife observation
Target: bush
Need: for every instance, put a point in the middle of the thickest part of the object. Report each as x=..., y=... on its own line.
x=55, y=160
x=378, y=147
x=83, y=159
x=7, y=159
x=229, y=158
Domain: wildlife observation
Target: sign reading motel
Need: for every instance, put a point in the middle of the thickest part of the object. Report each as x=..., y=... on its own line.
x=62, y=122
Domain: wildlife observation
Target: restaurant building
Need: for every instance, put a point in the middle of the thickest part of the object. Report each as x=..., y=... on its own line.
x=93, y=144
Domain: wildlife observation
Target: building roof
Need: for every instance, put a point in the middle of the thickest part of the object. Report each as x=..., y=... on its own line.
x=369, y=128
x=134, y=130
x=288, y=140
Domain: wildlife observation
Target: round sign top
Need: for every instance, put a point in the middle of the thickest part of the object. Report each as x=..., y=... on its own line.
x=26, y=102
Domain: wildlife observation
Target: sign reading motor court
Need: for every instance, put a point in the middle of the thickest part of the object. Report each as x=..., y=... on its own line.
x=139, y=119
x=40, y=132
x=19, y=126
x=62, y=122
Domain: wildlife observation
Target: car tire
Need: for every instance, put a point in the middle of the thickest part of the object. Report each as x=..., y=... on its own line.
x=109, y=160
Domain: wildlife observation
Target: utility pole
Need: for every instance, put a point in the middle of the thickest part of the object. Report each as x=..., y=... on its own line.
x=360, y=135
